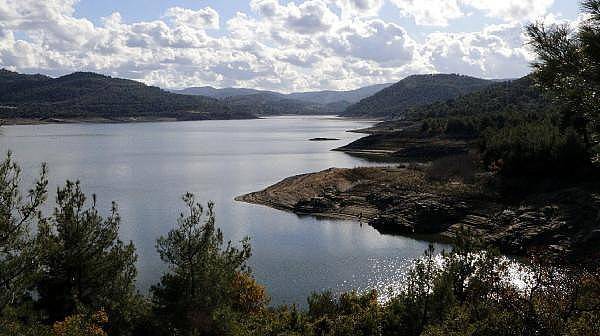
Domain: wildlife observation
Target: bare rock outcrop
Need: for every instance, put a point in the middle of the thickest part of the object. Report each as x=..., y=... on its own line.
x=564, y=222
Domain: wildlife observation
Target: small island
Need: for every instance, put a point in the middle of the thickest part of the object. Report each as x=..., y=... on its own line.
x=323, y=139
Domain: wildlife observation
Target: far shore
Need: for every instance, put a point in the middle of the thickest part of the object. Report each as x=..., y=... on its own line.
x=100, y=120
x=33, y=121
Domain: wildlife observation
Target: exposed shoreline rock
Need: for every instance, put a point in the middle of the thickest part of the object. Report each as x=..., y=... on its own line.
x=563, y=223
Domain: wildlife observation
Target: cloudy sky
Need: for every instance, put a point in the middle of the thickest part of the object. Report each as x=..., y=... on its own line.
x=272, y=44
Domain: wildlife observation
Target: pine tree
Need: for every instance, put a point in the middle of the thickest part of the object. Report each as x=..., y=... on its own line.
x=199, y=293
x=568, y=67
x=86, y=267
x=18, y=264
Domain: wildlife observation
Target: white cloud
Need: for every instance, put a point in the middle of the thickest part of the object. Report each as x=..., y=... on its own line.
x=352, y=8
x=495, y=52
x=309, y=17
x=512, y=10
x=200, y=19
x=442, y=12
x=302, y=45
x=430, y=13
x=386, y=43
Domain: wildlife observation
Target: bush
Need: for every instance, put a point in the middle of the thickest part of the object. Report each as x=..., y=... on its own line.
x=457, y=167
x=533, y=149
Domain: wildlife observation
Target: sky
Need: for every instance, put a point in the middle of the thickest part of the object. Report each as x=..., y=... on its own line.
x=278, y=45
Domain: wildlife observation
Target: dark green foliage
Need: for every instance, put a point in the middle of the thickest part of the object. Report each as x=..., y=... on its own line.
x=537, y=148
x=467, y=291
x=568, y=67
x=197, y=295
x=519, y=96
x=277, y=104
x=396, y=100
x=500, y=105
x=518, y=130
x=89, y=95
x=18, y=258
x=85, y=267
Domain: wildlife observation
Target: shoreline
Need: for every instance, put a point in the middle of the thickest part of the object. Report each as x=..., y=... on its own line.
x=406, y=202
x=51, y=121
x=130, y=120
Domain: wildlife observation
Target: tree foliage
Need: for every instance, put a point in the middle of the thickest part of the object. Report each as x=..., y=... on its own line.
x=18, y=259
x=568, y=67
x=535, y=148
x=85, y=266
x=208, y=282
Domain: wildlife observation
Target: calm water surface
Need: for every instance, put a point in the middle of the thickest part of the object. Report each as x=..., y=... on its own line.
x=146, y=167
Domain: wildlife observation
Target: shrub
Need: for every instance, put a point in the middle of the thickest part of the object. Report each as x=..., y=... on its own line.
x=533, y=149
x=457, y=167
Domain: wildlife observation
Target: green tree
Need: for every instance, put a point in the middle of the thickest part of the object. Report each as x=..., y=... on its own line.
x=198, y=294
x=568, y=67
x=18, y=263
x=85, y=265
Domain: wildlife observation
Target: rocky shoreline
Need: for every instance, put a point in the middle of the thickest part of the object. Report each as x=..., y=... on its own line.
x=563, y=224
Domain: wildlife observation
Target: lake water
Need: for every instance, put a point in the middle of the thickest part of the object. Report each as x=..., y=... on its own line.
x=146, y=167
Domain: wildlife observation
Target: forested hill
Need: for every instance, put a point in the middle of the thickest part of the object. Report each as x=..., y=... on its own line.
x=333, y=97
x=276, y=104
x=497, y=105
x=413, y=91
x=262, y=102
x=518, y=95
x=315, y=97
x=90, y=95
x=223, y=93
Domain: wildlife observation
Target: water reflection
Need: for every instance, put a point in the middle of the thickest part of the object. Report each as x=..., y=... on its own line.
x=147, y=167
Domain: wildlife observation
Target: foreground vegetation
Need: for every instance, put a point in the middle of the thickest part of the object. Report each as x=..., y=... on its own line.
x=74, y=276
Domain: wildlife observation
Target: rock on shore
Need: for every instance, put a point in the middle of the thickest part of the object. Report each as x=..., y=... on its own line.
x=394, y=200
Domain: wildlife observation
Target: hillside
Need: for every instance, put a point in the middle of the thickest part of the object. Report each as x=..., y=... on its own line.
x=90, y=95
x=447, y=128
x=329, y=97
x=212, y=92
x=513, y=95
x=317, y=97
x=394, y=101
x=275, y=104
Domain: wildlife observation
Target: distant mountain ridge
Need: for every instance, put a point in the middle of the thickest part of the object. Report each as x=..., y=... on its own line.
x=212, y=92
x=329, y=96
x=413, y=91
x=267, y=103
x=264, y=102
x=91, y=95
x=318, y=97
